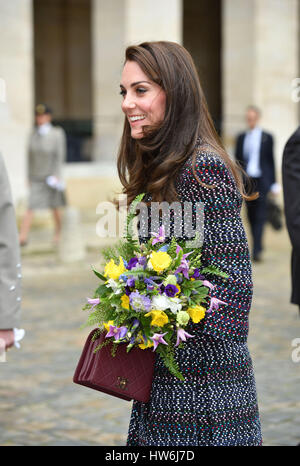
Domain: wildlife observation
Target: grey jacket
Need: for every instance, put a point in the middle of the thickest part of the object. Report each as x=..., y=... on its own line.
x=10, y=264
x=46, y=154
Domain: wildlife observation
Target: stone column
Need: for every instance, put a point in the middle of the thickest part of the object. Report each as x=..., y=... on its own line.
x=259, y=64
x=115, y=25
x=108, y=38
x=16, y=96
x=153, y=20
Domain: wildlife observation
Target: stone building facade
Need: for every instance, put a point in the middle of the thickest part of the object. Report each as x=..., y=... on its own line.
x=69, y=54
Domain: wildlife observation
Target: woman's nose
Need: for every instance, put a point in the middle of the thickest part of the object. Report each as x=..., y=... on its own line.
x=128, y=102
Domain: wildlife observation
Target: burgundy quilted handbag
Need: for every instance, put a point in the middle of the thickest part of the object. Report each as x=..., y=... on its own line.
x=126, y=375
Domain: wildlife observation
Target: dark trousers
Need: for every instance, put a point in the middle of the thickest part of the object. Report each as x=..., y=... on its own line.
x=257, y=215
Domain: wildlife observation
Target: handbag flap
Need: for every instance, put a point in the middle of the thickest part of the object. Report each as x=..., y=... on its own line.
x=126, y=375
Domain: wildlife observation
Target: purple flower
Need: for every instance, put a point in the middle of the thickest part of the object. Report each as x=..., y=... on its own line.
x=132, y=263
x=158, y=338
x=139, y=302
x=178, y=249
x=143, y=261
x=161, y=288
x=197, y=274
x=117, y=332
x=214, y=304
x=150, y=284
x=127, y=290
x=135, y=324
x=93, y=301
x=179, y=278
x=208, y=285
x=160, y=237
x=171, y=290
x=184, y=265
x=182, y=335
x=130, y=282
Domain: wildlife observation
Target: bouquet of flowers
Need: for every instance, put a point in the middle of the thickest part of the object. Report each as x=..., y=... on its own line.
x=149, y=293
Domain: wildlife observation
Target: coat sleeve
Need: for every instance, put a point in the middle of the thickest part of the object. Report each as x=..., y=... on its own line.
x=61, y=151
x=10, y=267
x=291, y=188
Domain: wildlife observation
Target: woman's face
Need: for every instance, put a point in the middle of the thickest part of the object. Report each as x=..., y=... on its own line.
x=144, y=101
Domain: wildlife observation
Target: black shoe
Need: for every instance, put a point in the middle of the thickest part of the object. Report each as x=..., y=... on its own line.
x=257, y=257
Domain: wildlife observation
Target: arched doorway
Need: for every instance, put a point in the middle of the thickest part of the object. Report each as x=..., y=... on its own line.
x=62, y=58
x=202, y=22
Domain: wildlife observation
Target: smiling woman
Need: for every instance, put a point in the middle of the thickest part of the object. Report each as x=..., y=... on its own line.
x=165, y=113
x=144, y=101
x=171, y=151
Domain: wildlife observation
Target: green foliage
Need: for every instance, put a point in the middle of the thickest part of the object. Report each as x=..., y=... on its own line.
x=172, y=248
x=99, y=275
x=114, y=349
x=211, y=269
x=104, y=343
x=168, y=357
x=101, y=290
x=96, y=334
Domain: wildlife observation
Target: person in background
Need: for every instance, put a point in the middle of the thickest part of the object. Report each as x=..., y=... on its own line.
x=46, y=155
x=10, y=265
x=291, y=194
x=254, y=152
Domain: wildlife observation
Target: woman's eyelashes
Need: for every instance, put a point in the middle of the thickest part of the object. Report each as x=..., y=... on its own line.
x=139, y=91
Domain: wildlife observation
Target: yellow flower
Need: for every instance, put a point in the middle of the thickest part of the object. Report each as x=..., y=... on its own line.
x=107, y=324
x=197, y=313
x=125, y=301
x=114, y=271
x=159, y=318
x=178, y=292
x=149, y=344
x=160, y=260
x=192, y=279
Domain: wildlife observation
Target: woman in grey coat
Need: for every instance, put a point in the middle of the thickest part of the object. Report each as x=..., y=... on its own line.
x=46, y=155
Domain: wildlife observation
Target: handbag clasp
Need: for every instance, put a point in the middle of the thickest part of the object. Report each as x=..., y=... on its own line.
x=122, y=383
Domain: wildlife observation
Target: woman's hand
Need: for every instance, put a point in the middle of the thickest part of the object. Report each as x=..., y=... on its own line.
x=8, y=337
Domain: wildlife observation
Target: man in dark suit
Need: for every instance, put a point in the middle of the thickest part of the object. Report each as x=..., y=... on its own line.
x=291, y=192
x=254, y=152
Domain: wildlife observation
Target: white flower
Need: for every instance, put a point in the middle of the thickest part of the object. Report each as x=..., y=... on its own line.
x=170, y=280
x=162, y=302
x=149, y=266
x=137, y=267
x=175, y=304
x=111, y=283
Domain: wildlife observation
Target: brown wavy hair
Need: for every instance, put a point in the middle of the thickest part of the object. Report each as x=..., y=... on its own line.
x=151, y=164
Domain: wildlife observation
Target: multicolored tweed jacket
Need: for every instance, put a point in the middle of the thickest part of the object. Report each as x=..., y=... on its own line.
x=225, y=243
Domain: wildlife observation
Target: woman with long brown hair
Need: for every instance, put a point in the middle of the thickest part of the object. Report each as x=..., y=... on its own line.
x=171, y=151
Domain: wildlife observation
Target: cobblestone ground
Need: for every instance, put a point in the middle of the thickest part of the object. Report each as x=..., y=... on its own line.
x=39, y=403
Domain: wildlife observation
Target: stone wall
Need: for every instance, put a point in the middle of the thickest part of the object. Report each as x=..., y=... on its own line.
x=260, y=60
x=16, y=71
